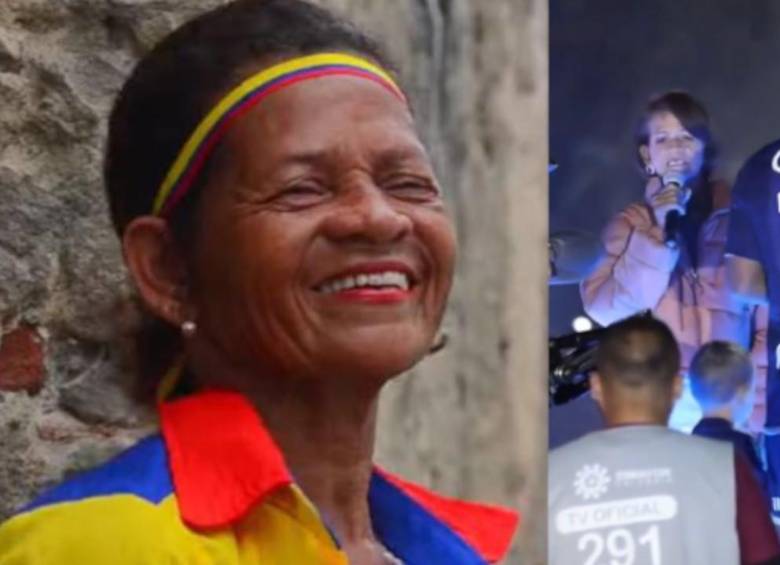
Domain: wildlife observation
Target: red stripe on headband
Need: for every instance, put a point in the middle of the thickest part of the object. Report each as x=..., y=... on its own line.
x=197, y=164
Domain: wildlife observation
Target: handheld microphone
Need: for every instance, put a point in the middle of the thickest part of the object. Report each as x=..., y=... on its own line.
x=673, y=217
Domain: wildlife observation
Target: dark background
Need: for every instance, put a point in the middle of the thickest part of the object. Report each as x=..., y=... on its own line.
x=607, y=57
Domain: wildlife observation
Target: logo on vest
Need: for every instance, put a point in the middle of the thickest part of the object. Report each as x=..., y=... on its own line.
x=591, y=482
x=643, y=477
x=618, y=513
x=776, y=162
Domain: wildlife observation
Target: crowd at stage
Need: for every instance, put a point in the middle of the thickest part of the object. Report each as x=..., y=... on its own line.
x=700, y=255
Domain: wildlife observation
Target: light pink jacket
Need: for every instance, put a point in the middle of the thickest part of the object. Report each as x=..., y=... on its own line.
x=639, y=273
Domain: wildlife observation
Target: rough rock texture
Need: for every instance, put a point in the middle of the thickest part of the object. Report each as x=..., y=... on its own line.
x=470, y=421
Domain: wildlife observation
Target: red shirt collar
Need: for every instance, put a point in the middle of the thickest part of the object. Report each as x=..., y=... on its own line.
x=224, y=462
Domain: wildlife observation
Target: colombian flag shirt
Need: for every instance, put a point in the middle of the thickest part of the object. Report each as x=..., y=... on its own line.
x=213, y=489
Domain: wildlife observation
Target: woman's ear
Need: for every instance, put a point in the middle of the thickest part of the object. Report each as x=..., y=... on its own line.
x=157, y=268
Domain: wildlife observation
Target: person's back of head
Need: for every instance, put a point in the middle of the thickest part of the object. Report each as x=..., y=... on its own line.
x=721, y=377
x=637, y=372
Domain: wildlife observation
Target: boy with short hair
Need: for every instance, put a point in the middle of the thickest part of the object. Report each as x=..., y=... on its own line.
x=638, y=485
x=721, y=377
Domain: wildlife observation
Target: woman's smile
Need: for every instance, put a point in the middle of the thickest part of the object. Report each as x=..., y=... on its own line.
x=372, y=282
x=671, y=148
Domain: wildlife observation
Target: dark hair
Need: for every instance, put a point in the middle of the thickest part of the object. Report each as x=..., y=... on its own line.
x=693, y=117
x=171, y=90
x=718, y=371
x=638, y=352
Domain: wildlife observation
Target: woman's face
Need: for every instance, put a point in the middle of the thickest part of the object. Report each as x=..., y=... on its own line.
x=324, y=249
x=671, y=149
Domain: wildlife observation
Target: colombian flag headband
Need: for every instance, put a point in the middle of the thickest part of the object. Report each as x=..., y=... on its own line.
x=195, y=152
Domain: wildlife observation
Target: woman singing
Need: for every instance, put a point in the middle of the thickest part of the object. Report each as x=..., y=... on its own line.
x=677, y=270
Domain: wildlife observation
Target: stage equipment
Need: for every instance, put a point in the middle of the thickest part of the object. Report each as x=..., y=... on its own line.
x=573, y=256
x=572, y=357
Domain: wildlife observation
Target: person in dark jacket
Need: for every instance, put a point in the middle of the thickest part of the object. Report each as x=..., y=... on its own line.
x=722, y=383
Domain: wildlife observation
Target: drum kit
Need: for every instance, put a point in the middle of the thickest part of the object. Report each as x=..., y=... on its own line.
x=572, y=256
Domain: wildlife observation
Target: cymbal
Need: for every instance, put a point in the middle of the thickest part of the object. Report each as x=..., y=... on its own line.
x=573, y=256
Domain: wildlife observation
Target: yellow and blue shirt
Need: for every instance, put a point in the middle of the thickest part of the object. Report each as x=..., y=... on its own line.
x=213, y=489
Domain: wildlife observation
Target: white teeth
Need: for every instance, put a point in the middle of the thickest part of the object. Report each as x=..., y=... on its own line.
x=388, y=278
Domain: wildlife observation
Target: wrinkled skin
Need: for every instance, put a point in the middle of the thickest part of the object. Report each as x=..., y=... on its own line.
x=327, y=175
x=322, y=179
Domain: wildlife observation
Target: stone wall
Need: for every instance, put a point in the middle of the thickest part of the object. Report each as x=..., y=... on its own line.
x=470, y=421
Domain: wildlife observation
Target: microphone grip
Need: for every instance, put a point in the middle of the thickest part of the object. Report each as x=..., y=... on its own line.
x=673, y=217
x=672, y=228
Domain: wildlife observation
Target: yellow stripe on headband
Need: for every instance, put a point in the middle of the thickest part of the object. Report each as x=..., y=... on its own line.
x=246, y=88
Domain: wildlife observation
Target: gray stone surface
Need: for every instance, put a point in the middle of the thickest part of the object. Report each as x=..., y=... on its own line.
x=470, y=421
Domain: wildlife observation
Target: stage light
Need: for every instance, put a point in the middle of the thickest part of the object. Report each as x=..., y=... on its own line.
x=582, y=324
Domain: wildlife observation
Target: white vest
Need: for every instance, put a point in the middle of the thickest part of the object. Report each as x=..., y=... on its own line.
x=642, y=495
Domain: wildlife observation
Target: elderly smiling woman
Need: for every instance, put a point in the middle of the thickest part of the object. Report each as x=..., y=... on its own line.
x=285, y=231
